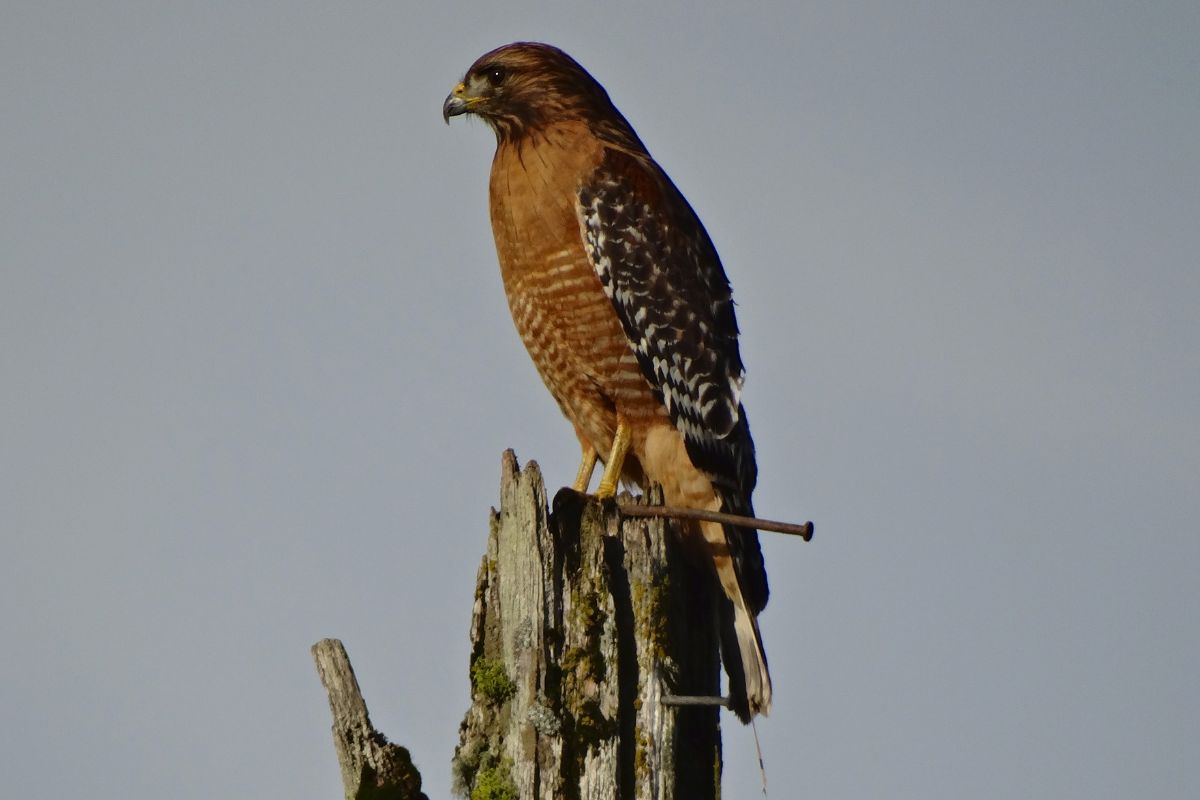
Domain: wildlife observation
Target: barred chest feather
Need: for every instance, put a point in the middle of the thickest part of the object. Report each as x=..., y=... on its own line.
x=558, y=304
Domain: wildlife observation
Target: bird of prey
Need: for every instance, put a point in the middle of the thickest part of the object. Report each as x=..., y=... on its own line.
x=620, y=298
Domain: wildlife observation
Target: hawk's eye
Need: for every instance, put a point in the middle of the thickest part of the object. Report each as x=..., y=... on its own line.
x=495, y=75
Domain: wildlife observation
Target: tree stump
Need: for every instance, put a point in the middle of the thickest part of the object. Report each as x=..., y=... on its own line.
x=582, y=623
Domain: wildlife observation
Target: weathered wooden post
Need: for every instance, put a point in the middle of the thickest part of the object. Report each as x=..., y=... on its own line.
x=583, y=621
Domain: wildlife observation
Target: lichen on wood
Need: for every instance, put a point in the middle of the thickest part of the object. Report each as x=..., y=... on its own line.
x=582, y=621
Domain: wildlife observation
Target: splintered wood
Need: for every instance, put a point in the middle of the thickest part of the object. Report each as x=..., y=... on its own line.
x=583, y=621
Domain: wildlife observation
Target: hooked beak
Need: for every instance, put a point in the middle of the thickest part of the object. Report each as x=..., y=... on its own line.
x=457, y=102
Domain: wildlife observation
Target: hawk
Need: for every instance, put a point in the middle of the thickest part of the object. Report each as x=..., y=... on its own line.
x=620, y=298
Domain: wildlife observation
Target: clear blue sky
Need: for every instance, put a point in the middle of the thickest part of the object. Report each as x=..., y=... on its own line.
x=257, y=373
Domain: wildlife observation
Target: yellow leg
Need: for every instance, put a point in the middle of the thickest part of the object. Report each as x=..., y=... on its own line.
x=616, y=459
x=586, y=466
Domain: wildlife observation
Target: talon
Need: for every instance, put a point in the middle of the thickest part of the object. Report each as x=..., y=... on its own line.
x=587, y=465
x=616, y=460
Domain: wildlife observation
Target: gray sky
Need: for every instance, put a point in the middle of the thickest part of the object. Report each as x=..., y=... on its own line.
x=258, y=373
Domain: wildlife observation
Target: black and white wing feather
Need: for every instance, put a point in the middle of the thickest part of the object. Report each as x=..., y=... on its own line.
x=663, y=275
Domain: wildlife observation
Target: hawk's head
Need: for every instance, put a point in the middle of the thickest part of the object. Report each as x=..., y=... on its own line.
x=521, y=86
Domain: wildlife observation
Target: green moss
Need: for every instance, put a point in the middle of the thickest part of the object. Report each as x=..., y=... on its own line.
x=585, y=609
x=469, y=759
x=489, y=678
x=592, y=728
x=580, y=664
x=572, y=657
x=494, y=783
x=396, y=779
x=650, y=614
x=641, y=757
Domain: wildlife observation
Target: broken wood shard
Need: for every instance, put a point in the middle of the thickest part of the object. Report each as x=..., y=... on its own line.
x=372, y=767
